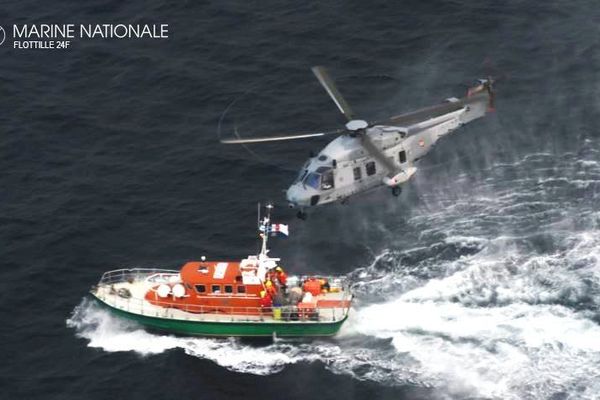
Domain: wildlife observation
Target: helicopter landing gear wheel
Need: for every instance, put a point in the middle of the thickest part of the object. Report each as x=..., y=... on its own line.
x=302, y=215
x=396, y=190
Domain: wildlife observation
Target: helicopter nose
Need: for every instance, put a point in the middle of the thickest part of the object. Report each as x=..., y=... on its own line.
x=297, y=197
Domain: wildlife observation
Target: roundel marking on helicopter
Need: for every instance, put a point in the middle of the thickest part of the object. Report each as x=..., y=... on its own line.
x=421, y=143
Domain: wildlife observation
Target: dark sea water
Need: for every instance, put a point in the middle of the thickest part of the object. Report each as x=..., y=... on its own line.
x=482, y=281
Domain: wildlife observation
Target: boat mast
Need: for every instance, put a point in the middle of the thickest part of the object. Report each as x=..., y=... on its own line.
x=264, y=228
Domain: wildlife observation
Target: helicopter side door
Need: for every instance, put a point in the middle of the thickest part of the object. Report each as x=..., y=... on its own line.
x=352, y=178
x=373, y=173
x=344, y=180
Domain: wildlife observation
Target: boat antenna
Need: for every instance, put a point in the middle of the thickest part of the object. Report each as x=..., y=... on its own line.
x=258, y=223
x=264, y=228
x=258, y=212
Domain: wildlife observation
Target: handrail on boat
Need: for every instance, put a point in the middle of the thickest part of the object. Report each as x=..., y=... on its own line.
x=170, y=309
x=220, y=313
x=125, y=274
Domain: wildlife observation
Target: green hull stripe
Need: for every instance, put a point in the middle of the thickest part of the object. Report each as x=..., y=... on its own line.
x=210, y=328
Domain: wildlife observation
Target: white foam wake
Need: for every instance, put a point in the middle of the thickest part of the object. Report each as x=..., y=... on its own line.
x=500, y=352
x=105, y=331
x=482, y=330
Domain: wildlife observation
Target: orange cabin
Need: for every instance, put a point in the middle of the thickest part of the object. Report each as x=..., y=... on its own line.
x=215, y=286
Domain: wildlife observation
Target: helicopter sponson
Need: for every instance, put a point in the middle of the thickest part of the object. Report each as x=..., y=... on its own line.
x=366, y=155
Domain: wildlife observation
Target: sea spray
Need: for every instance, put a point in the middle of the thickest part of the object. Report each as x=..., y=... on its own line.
x=497, y=299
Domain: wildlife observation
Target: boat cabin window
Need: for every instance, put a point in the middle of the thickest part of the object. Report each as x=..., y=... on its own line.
x=200, y=288
x=228, y=289
x=370, y=167
x=241, y=289
x=216, y=288
x=402, y=156
x=357, y=174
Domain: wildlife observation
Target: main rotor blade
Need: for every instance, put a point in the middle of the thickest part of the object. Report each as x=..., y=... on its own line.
x=278, y=138
x=377, y=154
x=326, y=81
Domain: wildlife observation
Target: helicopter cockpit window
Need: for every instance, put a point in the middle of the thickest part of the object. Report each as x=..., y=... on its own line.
x=327, y=180
x=313, y=180
x=301, y=175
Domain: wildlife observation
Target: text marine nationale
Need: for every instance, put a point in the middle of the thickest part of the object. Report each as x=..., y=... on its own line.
x=91, y=31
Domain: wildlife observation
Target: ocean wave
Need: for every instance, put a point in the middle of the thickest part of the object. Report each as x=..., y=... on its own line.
x=481, y=306
x=500, y=326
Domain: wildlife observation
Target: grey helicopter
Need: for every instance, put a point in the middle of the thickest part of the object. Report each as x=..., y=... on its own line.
x=365, y=155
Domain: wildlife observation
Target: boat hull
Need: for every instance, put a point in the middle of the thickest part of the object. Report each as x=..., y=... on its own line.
x=232, y=328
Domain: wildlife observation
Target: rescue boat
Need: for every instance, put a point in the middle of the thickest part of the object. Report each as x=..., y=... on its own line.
x=247, y=298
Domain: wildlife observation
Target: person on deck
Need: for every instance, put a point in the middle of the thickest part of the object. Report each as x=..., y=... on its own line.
x=281, y=277
x=266, y=301
x=270, y=288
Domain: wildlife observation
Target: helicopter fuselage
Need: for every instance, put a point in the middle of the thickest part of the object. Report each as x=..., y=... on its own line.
x=344, y=167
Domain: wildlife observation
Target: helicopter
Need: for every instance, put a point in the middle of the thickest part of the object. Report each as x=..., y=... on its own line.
x=365, y=155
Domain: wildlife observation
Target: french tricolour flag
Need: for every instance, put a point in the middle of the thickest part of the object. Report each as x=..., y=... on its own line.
x=280, y=229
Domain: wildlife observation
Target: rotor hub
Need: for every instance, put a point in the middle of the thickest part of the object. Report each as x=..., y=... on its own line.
x=356, y=125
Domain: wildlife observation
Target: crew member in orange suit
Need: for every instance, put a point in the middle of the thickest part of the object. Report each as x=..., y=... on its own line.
x=266, y=301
